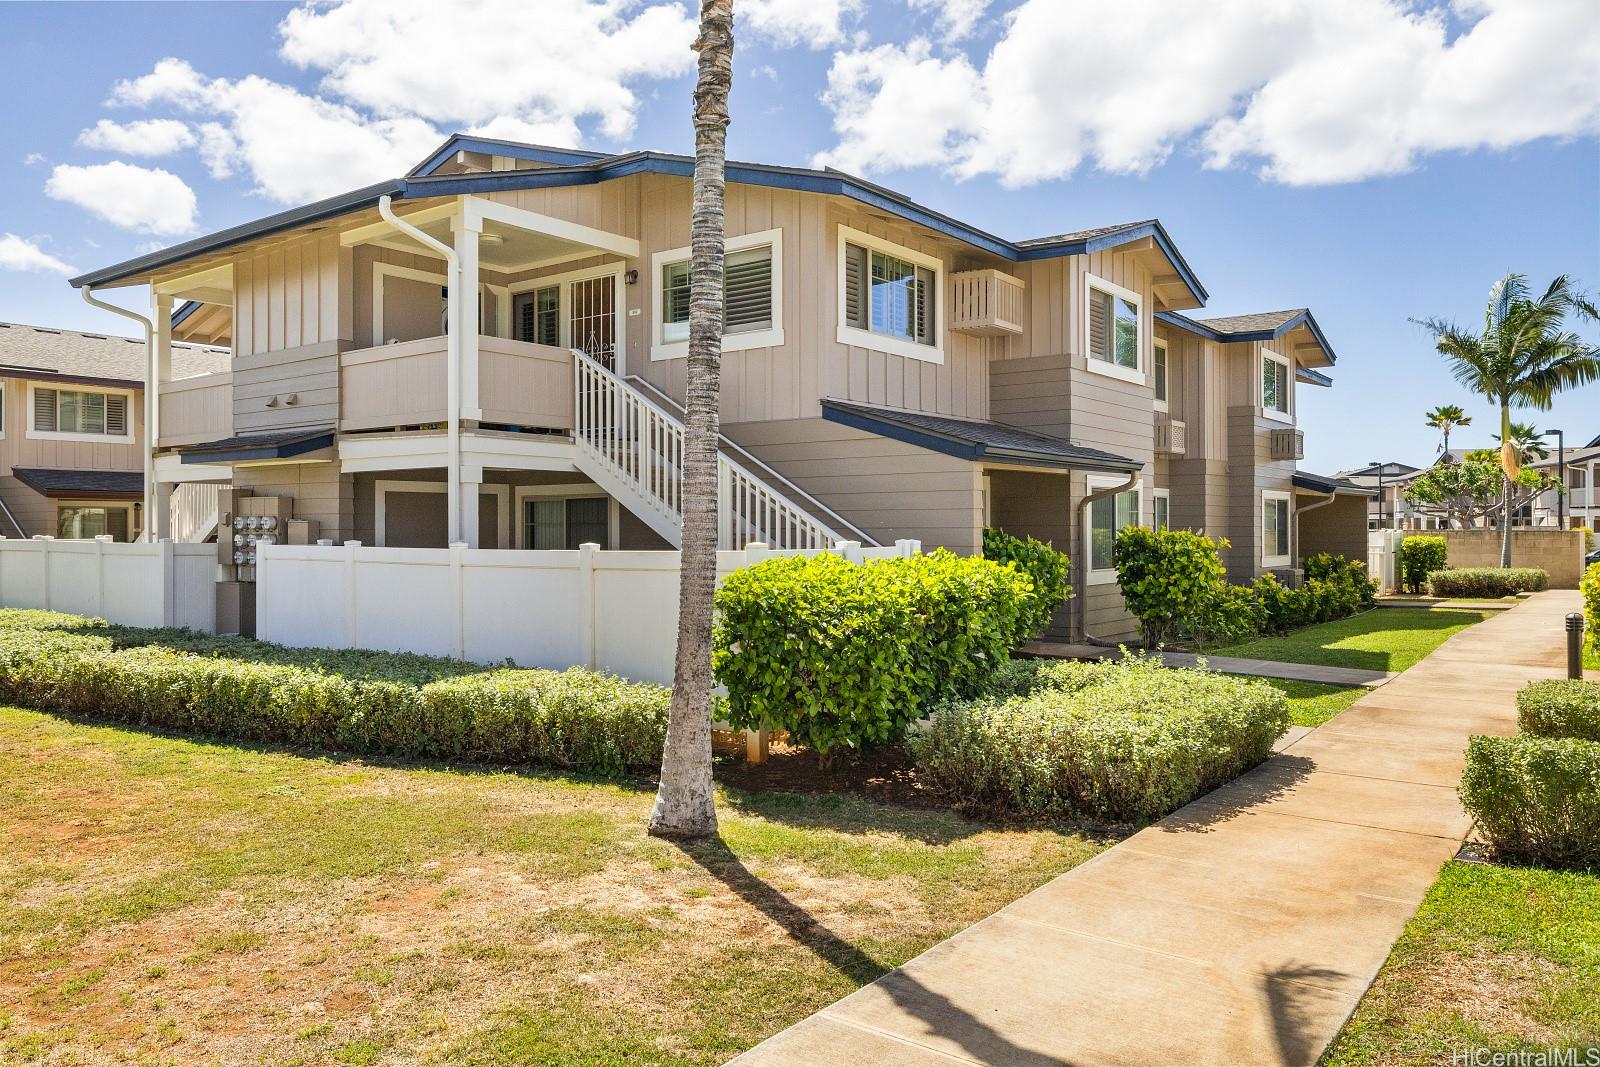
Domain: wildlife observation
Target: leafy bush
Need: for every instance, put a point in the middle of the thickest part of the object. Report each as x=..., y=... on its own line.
x=1049, y=570
x=1491, y=582
x=1589, y=585
x=573, y=718
x=1125, y=741
x=1349, y=576
x=1227, y=615
x=1536, y=798
x=1166, y=577
x=844, y=654
x=1560, y=707
x=1417, y=558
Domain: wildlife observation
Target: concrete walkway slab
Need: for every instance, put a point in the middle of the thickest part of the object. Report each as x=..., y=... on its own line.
x=1261, y=668
x=1241, y=929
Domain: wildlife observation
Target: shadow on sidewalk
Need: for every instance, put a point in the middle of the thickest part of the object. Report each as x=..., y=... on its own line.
x=936, y=1012
x=1261, y=785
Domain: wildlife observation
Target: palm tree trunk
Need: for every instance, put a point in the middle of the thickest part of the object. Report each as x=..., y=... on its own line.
x=684, y=804
x=1505, y=519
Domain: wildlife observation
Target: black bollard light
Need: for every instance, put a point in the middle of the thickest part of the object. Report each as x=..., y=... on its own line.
x=1575, y=644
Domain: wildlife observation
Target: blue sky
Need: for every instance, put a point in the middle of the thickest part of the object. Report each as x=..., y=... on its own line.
x=1359, y=162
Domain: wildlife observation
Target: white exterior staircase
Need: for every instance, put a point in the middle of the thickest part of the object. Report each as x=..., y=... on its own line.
x=631, y=445
x=194, y=511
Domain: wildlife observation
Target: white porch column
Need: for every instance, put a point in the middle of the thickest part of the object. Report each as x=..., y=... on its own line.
x=467, y=230
x=158, y=369
x=471, y=491
x=159, y=521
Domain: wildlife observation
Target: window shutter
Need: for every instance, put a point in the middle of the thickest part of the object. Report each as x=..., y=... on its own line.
x=1099, y=322
x=923, y=319
x=747, y=282
x=522, y=318
x=116, y=415
x=855, y=286
x=44, y=409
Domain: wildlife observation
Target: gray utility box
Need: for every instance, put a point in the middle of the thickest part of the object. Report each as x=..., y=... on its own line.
x=236, y=608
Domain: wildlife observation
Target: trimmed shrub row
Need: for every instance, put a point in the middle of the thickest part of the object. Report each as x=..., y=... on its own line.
x=1560, y=707
x=575, y=719
x=1334, y=588
x=1490, y=582
x=1589, y=586
x=1125, y=742
x=1418, y=557
x=845, y=655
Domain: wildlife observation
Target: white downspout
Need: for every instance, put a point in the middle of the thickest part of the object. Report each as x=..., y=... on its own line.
x=151, y=406
x=457, y=302
x=1087, y=536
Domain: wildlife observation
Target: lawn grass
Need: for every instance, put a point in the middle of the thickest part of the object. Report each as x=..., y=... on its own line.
x=165, y=900
x=1500, y=958
x=1312, y=704
x=1383, y=639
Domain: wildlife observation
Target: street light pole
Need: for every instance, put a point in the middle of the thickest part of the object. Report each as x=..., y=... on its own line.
x=1380, y=495
x=1561, y=476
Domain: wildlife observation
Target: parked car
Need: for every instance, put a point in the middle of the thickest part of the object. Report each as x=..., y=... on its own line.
x=1593, y=557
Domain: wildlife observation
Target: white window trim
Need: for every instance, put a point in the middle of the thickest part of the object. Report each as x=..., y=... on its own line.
x=4, y=416
x=1261, y=388
x=878, y=342
x=382, y=270
x=1107, y=575
x=614, y=270
x=1160, y=494
x=1155, y=343
x=87, y=438
x=1103, y=366
x=384, y=486
x=1288, y=521
x=771, y=337
x=569, y=491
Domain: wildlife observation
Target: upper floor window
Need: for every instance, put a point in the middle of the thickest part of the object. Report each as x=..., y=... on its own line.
x=1159, y=373
x=80, y=413
x=1111, y=330
x=752, y=294
x=536, y=316
x=888, y=297
x=1274, y=386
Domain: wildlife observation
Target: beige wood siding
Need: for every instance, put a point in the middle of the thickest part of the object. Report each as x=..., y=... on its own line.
x=196, y=409
x=1339, y=527
x=292, y=294
x=887, y=488
x=524, y=384
x=19, y=449
x=1025, y=504
x=308, y=375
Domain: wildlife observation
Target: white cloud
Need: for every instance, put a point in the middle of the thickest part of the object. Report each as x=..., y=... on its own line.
x=19, y=253
x=815, y=23
x=219, y=149
x=1311, y=92
x=134, y=198
x=956, y=18
x=147, y=137
x=31, y=158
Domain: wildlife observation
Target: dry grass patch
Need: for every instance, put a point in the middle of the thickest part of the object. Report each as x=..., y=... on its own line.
x=167, y=901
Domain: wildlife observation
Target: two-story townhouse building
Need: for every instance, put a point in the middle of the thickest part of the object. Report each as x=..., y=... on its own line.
x=72, y=440
x=491, y=350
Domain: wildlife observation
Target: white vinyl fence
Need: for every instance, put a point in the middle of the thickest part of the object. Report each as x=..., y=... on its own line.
x=162, y=584
x=1382, y=546
x=614, y=610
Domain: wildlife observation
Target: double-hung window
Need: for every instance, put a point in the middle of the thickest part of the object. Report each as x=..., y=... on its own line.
x=1161, y=509
x=566, y=522
x=888, y=297
x=536, y=316
x=1111, y=330
x=1108, y=516
x=1274, y=529
x=752, y=294
x=80, y=412
x=1159, y=374
x=1275, y=386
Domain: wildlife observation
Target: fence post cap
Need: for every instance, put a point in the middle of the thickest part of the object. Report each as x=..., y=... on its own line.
x=458, y=544
x=352, y=544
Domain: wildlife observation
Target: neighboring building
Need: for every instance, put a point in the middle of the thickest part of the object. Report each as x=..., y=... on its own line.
x=1387, y=507
x=72, y=429
x=1583, y=502
x=889, y=372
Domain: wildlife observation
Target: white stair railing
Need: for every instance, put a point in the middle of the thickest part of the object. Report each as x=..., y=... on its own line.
x=194, y=510
x=641, y=443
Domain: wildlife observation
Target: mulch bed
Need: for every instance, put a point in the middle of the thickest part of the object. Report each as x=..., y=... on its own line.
x=885, y=775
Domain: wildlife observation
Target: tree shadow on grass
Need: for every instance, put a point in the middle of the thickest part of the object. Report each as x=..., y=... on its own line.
x=940, y=1017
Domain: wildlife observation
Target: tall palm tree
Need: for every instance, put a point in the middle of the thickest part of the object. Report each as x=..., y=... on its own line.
x=1523, y=358
x=684, y=805
x=1445, y=418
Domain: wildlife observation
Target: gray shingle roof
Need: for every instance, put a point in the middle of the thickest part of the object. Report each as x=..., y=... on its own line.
x=1260, y=320
x=973, y=439
x=79, y=483
x=1322, y=483
x=1082, y=235
x=95, y=355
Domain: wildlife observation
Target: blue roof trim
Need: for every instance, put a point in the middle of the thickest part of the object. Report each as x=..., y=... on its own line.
x=1183, y=322
x=242, y=454
x=1112, y=239
x=1311, y=377
x=462, y=142
x=186, y=309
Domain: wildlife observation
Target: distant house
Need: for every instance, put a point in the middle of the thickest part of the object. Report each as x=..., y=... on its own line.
x=72, y=429
x=1387, y=507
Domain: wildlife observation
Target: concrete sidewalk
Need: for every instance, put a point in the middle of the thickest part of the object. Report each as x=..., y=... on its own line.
x=1261, y=668
x=1242, y=929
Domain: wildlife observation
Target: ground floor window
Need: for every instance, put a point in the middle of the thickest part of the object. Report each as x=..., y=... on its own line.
x=566, y=522
x=83, y=523
x=1161, y=507
x=1107, y=516
x=1274, y=529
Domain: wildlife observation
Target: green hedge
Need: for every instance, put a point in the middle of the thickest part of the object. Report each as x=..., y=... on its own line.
x=1334, y=588
x=1590, y=587
x=363, y=703
x=1536, y=798
x=1490, y=582
x=1169, y=579
x=1418, y=557
x=1126, y=742
x=847, y=655
x=1560, y=707
x=1049, y=570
